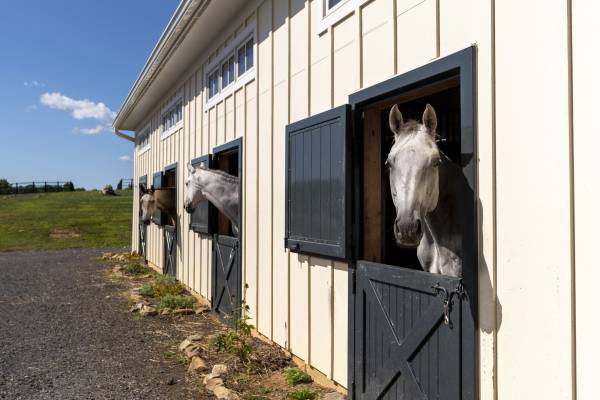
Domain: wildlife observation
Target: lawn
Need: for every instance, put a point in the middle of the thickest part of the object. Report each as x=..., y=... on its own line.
x=65, y=220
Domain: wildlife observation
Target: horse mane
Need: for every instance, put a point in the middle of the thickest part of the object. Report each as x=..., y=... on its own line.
x=229, y=178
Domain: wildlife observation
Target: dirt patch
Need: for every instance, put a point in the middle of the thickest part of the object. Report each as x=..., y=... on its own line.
x=65, y=234
x=255, y=369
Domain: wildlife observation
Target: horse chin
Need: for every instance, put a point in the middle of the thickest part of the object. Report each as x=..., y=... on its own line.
x=408, y=242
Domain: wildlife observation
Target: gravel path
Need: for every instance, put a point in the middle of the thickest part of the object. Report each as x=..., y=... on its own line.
x=65, y=333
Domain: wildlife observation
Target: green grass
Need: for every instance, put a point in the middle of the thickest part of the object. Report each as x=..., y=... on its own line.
x=294, y=376
x=90, y=219
x=303, y=394
x=135, y=268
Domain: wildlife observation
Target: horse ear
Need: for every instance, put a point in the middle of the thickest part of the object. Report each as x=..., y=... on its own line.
x=143, y=188
x=190, y=168
x=429, y=119
x=396, y=120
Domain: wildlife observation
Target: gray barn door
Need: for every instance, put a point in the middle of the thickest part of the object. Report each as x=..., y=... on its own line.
x=408, y=330
x=170, y=248
x=227, y=248
x=226, y=298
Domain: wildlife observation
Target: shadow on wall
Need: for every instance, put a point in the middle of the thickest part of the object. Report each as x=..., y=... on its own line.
x=490, y=308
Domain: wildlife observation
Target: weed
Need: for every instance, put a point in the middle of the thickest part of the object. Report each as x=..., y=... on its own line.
x=234, y=343
x=134, y=268
x=167, y=285
x=303, y=394
x=147, y=290
x=294, y=376
x=175, y=302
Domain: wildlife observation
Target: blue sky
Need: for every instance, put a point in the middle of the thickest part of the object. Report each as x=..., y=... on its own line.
x=65, y=68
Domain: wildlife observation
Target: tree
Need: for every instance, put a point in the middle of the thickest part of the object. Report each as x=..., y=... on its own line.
x=4, y=186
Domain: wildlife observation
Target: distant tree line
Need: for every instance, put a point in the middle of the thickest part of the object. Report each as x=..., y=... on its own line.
x=36, y=187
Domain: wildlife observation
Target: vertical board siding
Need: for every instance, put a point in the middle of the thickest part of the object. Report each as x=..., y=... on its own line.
x=586, y=142
x=533, y=185
x=300, y=302
x=265, y=175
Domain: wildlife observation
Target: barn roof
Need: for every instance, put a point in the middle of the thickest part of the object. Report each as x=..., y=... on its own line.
x=192, y=28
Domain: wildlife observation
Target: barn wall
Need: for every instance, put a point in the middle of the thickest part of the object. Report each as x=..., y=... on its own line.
x=535, y=148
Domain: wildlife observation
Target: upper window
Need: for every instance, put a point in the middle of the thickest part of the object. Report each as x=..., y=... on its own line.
x=143, y=139
x=227, y=72
x=172, y=116
x=245, y=57
x=213, y=84
x=332, y=3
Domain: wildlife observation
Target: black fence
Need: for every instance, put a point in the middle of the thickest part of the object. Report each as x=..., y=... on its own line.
x=125, y=183
x=37, y=187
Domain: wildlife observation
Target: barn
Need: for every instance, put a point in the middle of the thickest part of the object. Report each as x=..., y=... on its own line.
x=293, y=98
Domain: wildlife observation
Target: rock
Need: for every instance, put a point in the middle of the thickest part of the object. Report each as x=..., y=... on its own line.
x=196, y=364
x=148, y=311
x=218, y=370
x=108, y=190
x=211, y=383
x=137, y=306
x=117, y=268
x=183, y=311
x=171, y=381
x=192, y=351
x=165, y=311
x=106, y=256
x=333, y=396
x=202, y=309
x=183, y=345
x=195, y=338
x=223, y=393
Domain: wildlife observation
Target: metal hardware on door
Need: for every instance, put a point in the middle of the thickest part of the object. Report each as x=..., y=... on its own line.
x=448, y=299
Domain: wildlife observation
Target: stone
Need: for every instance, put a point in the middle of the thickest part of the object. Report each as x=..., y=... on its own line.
x=192, y=351
x=202, y=309
x=211, y=382
x=183, y=345
x=117, y=268
x=195, y=338
x=148, y=311
x=165, y=311
x=137, y=306
x=218, y=370
x=221, y=392
x=333, y=396
x=183, y=311
x=197, y=364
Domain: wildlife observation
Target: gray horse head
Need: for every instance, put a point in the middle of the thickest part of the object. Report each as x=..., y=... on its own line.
x=193, y=190
x=413, y=165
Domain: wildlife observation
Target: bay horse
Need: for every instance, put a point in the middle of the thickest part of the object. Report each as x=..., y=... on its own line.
x=162, y=199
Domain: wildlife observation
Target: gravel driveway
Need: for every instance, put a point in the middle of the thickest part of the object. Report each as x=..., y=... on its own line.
x=65, y=333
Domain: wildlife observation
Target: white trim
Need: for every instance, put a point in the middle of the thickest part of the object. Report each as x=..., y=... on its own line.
x=226, y=60
x=175, y=98
x=326, y=18
x=148, y=128
x=172, y=129
x=249, y=32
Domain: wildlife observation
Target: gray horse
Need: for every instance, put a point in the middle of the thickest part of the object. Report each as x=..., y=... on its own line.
x=428, y=191
x=220, y=188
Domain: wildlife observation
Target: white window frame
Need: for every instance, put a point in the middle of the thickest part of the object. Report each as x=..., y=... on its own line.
x=327, y=17
x=224, y=54
x=218, y=78
x=225, y=61
x=145, y=131
x=237, y=56
x=177, y=97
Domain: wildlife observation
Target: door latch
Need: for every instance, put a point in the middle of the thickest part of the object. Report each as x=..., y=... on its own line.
x=448, y=299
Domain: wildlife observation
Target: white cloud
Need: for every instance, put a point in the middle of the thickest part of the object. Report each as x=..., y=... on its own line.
x=34, y=83
x=80, y=109
x=124, y=158
x=90, y=131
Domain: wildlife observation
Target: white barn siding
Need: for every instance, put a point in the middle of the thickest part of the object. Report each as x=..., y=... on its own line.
x=535, y=170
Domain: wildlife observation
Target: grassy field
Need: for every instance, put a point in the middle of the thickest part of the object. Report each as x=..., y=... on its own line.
x=65, y=220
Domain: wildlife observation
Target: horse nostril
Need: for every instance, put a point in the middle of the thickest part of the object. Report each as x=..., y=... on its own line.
x=418, y=230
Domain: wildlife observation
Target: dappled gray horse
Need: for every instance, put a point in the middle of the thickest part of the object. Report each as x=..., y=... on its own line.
x=157, y=199
x=218, y=187
x=428, y=191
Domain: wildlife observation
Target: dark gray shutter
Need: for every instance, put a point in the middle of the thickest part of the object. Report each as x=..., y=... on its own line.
x=157, y=182
x=318, y=184
x=200, y=220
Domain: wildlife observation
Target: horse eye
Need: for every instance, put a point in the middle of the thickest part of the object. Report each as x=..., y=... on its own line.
x=437, y=162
